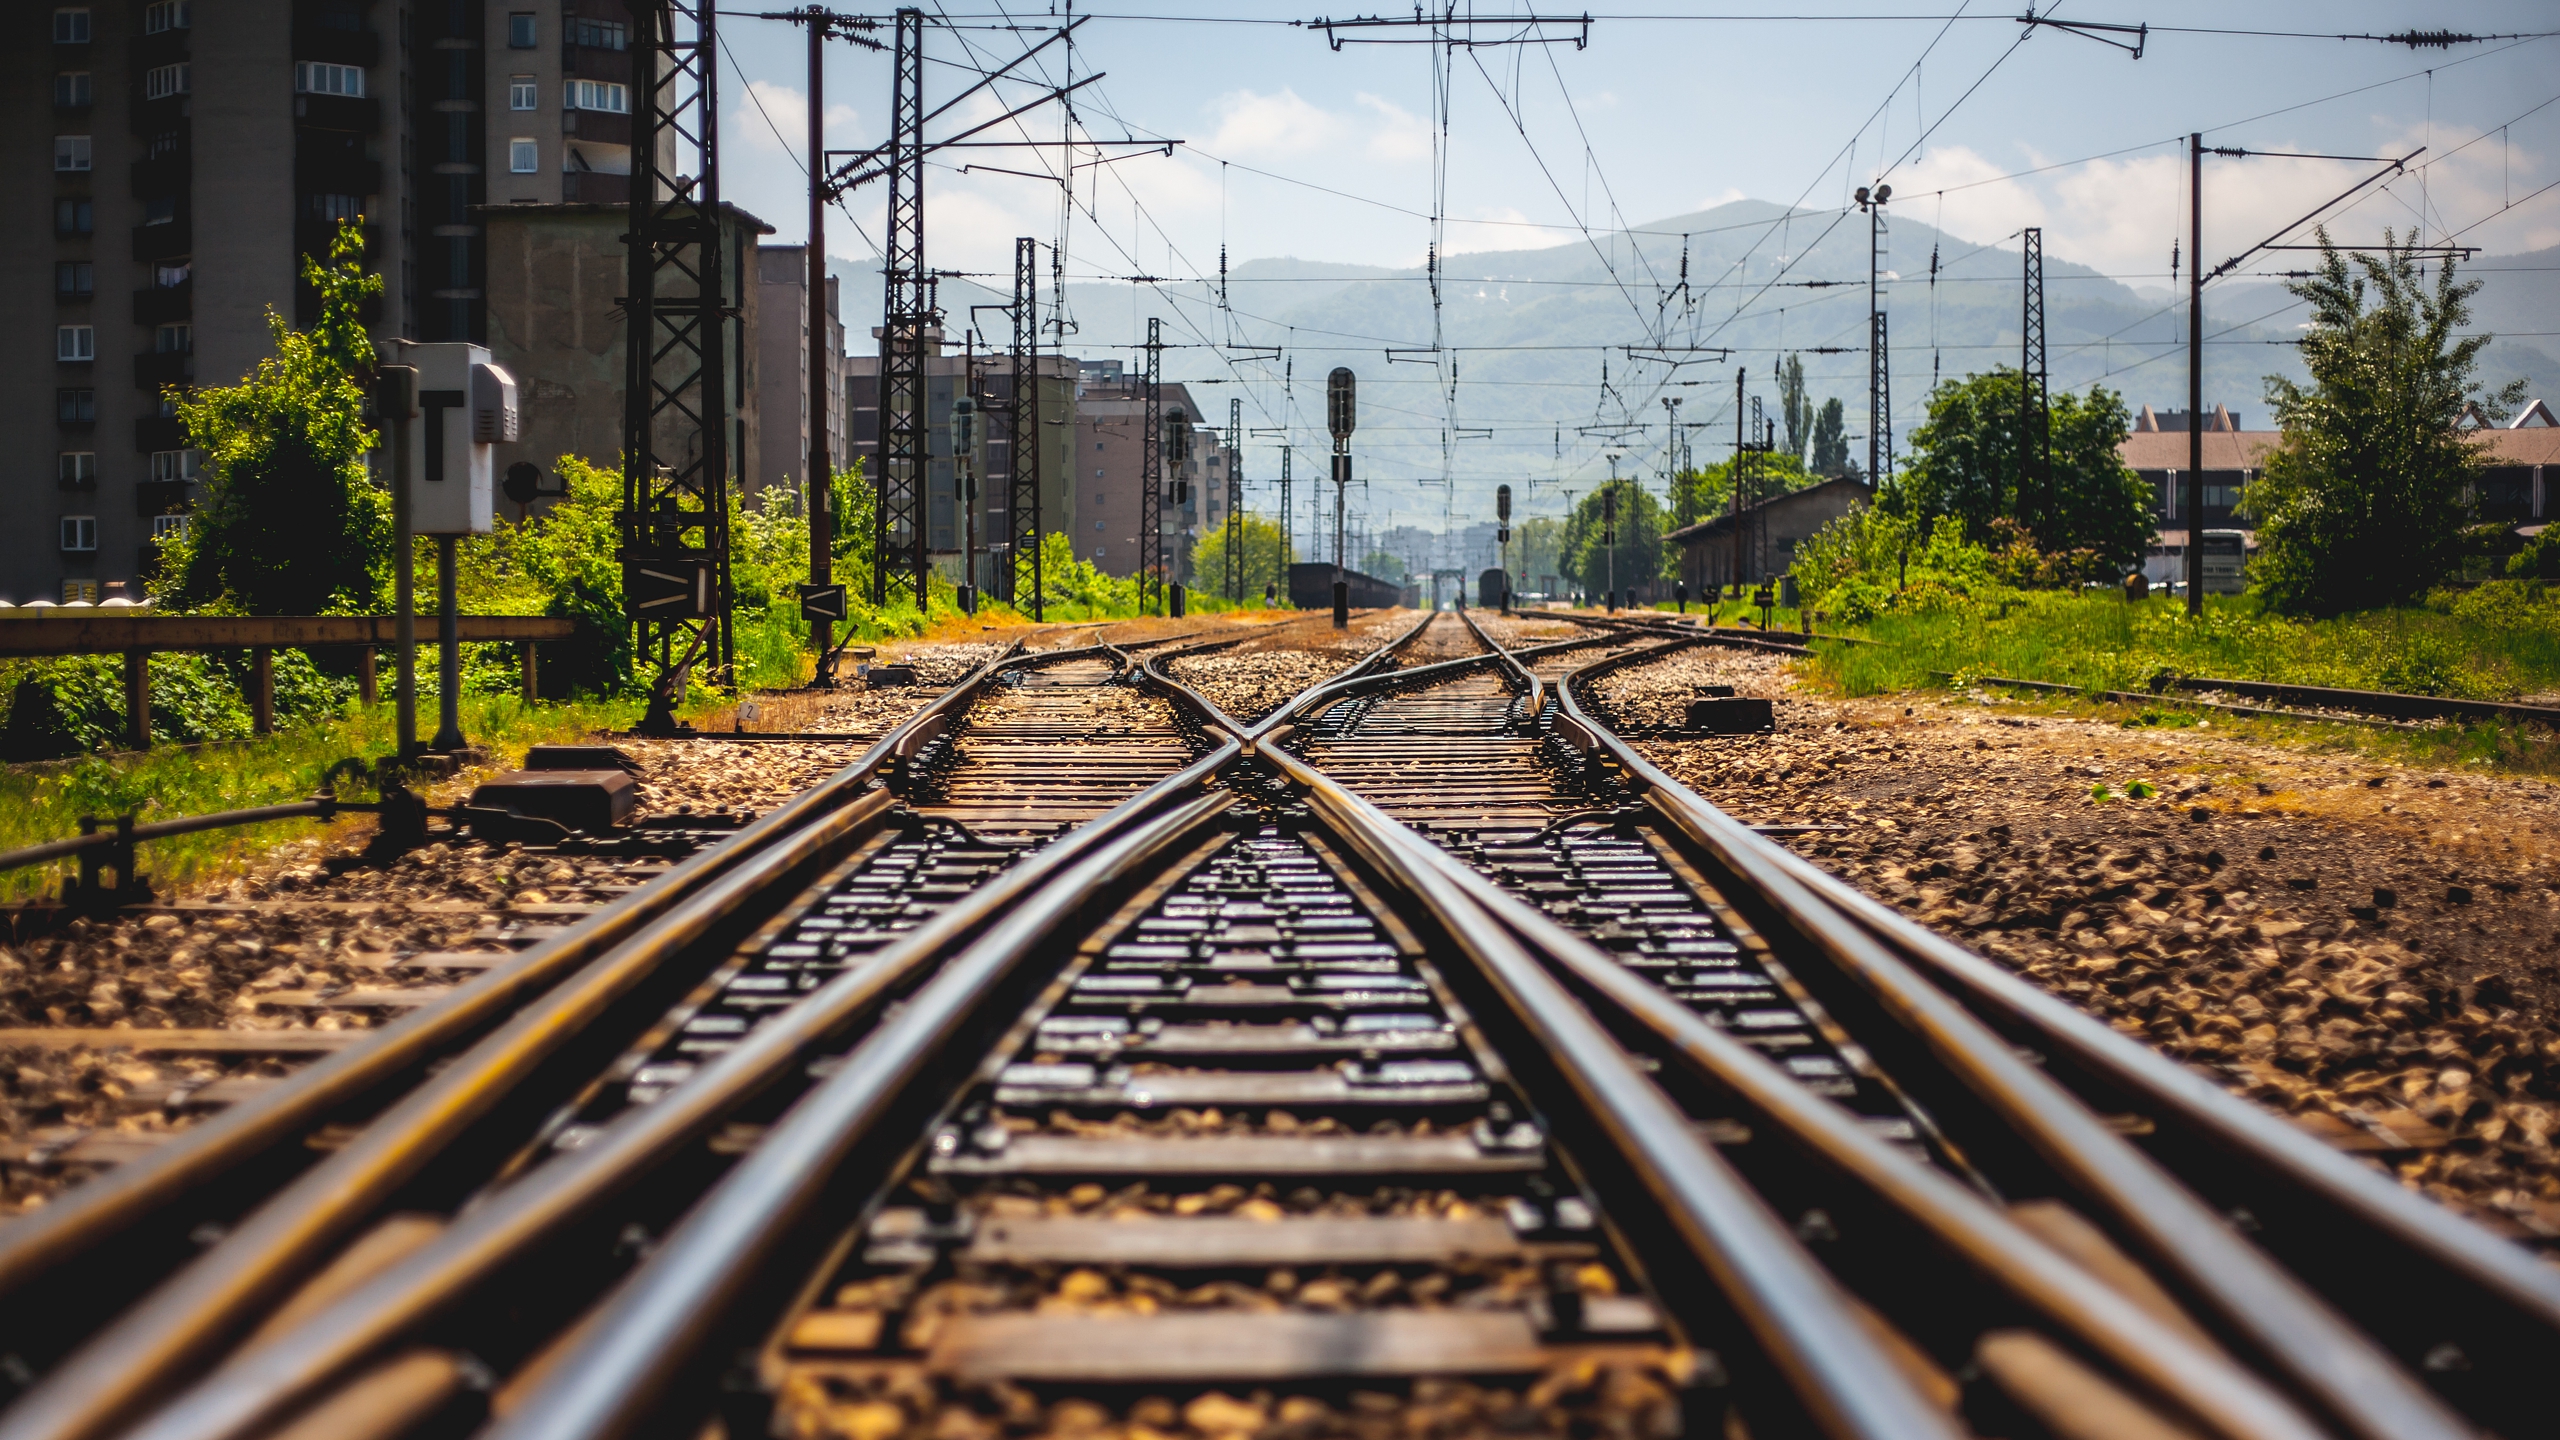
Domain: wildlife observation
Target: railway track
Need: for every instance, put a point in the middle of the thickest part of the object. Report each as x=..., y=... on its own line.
x=1416, y=1059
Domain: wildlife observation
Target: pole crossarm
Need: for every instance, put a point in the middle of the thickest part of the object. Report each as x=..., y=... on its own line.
x=2091, y=30
x=2398, y=166
x=1526, y=29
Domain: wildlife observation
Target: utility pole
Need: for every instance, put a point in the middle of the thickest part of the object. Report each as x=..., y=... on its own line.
x=906, y=314
x=1741, y=447
x=964, y=472
x=1288, y=522
x=1022, y=463
x=1235, y=500
x=819, y=482
x=2195, y=374
x=1879, y=381
x=1151, y=465
x=675, y=482
x=2036, y=498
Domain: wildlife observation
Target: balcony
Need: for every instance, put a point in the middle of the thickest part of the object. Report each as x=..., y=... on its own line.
x=338, y=47
x=329, y=170
x=159, y=432
x=162, y=304
x=594, y=63
x=167, y=47
x=602, y=127
x=167, y=174
x=169, y=112
x=160, y=497
x=313, y=237
x=589, y=187
x=164, y=240
x=157, y=370
x=338, y=112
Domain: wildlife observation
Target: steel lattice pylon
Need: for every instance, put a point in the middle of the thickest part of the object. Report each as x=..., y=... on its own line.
x=1022, y=480
x=2036, y=500
x=676, y=402
x=907, y=316
x=1235, y=500
x=1880, y=389
x=1151, y=473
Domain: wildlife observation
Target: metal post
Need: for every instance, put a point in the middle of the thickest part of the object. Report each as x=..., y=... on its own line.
x=2195, y=374
x=396, y=398
x=964, y=472
x=262, y=690
x=1341, y=397
x=1235, y=501
x=907, y=312
x=367, y=691
x=532, y=672
x=1288, y=522
x=819, y=482
x=448, y=651
x=1741, y=448
x=137, y=699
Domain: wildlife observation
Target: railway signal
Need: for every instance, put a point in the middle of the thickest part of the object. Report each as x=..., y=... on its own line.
x=1340, y=417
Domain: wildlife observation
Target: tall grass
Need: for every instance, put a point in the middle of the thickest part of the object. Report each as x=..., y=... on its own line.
x=2497, y=642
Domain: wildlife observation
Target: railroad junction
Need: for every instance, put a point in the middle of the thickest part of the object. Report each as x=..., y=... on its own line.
x=1218, y=1029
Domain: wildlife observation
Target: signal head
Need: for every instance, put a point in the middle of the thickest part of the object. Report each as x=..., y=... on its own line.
x=1339, y=408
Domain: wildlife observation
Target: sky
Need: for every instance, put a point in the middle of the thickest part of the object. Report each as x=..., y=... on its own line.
x=1292, y=148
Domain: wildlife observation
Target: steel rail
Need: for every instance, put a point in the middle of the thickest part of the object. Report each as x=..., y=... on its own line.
x=188, y=1318
x=654, y=1326
x=2327, y=1361
x=263, y=1384
x=257, y=1387
x=1796, y=1313
x=2195, y=1377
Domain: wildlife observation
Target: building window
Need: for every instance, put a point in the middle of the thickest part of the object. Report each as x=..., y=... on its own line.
x=79, y=533
x=167, y=465
x=160, y=210
x=73, y=217
x=166, y=15
x=75, y=342
x=169, y=276
x=175, y=340
x=79, y=592
x=164, y=142
x=598, y=34
x=76, y=469
x=71, y=26
x=523, y=93
x=520, y=31
x=71, y=89
x=74, y=279
x=524, y=157
x=71, y=153
x=601, y=95
x=75, y=407
x=168, y=527
x=162, y=81
x=318, y=77
x=334, y=208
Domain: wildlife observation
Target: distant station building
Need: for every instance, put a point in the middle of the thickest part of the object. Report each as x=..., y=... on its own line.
x=1768, y=534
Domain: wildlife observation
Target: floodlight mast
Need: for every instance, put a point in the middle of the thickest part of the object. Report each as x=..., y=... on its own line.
x=1341, y=417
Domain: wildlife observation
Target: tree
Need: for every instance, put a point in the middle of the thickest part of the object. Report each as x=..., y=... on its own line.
x=1795, y=411
x=1262, y=548
x=1964, y=464
x=291, y=523
x=1639, y=549
x=1830, y=441
x=1378, y=564
x=2361, y=504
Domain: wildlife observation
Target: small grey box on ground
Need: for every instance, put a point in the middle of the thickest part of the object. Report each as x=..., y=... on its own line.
x=882, y=677
x=1732, y=715
x=578, y=799
x=579, y=757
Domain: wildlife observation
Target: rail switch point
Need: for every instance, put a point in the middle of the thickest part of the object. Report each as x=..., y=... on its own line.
x=577, y=799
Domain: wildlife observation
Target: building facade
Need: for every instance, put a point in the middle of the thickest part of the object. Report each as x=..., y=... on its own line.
x=782, y=351
x=1109, y=461
x=1713, y=555
x=190, y=156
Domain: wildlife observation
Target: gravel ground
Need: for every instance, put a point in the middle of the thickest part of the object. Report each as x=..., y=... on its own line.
x=2350, y=942
x=1515, y=631
x=325, y=924
x=1249, y=680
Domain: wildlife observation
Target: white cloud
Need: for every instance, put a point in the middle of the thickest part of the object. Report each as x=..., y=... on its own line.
x=1272, y=127
x=1397, y=134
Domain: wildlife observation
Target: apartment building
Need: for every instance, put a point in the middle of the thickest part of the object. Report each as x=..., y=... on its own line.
x=782, y=351
x=1109, y=466
x=945, y=532
x=191, y=155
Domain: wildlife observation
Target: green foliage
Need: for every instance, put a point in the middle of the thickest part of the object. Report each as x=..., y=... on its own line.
x=2539, y=560
x=2474, y=646
x=1872, y=562
x=291, y=524
x=75, y=704
x=1381, y=565
x=1639, y=554
x=1795, y=412
x=1074, y=589
x=1263, y=547
x=1537, y=550
x=1831, y=442
x=1965, y=464
x=2362, y=503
